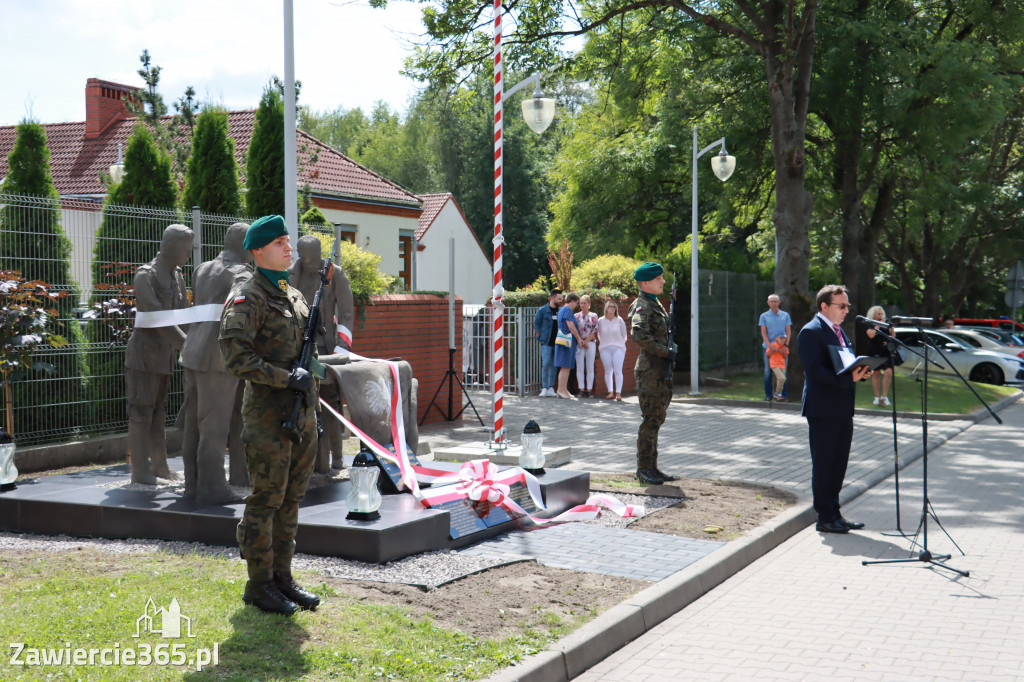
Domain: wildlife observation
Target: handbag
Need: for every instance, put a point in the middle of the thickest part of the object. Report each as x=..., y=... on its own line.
x=563, y=339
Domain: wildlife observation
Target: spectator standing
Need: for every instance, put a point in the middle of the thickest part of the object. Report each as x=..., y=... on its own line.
x=611, y=335
x=586, y=325
x=567, y=340
x=879, y=346
x=545, y=328
x=774, y=323
x=777, y=353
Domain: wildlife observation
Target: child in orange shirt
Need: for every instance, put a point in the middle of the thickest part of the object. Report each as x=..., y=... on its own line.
x=777, y=352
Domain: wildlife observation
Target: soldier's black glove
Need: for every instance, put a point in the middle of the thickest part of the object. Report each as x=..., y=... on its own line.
x=300, y=380
x=671, y=355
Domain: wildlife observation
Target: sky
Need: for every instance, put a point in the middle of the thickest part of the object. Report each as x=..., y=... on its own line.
x=346, y=54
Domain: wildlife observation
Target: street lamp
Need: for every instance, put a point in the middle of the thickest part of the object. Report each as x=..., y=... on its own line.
x=723, y=165
x=538, y=112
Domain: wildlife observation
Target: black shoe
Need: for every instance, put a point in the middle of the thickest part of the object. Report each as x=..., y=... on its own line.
x=649, y=476
x=665, y=477
x=267, y=598
x=306, y=600
x=852, y=525
x=831, y=527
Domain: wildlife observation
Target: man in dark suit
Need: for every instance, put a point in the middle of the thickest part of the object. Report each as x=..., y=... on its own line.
x=828, y=405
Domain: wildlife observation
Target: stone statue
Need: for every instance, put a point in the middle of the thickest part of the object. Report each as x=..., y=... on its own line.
x=337, y=313
x=367, y=387
x=212, y=419
x=151, y=354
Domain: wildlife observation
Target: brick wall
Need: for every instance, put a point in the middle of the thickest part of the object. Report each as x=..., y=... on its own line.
x=413, y=327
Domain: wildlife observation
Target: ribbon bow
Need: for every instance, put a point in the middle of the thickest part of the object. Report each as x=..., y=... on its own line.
x=476, y=481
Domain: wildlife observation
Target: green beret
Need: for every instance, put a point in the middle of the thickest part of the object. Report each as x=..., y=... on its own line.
x=647, y=272
x=263, y=231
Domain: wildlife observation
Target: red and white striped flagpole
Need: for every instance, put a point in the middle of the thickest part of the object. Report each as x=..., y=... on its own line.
x=498, y=295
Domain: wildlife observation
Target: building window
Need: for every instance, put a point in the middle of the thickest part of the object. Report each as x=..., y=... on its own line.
x=348, y=232
x=405, y=256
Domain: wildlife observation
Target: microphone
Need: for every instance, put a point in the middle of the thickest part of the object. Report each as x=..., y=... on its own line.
x=917, y=321
x=872, y=323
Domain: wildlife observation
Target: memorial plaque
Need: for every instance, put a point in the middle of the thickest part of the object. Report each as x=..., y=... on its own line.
x=387, y=482
x=462, y=517
x=520, y=494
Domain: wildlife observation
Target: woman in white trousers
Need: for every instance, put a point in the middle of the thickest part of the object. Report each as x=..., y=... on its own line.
x=611, y=335
x=586, y=353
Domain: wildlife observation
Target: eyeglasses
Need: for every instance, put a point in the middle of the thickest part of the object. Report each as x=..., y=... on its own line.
x=841, y=306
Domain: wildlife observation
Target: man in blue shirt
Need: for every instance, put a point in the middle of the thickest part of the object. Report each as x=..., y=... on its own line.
x=545, y=327
x=774, y=323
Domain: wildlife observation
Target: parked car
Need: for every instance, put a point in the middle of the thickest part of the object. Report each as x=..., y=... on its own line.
x=999, y=323
x=983, y=366
x=1004, y=335
x=979, y=339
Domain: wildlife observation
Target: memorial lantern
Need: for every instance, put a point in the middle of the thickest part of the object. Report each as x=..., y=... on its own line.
x=532, y=456
x=8, y=472
x=363, y=499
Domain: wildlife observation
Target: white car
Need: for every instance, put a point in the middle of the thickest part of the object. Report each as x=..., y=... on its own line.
x=983, y=366
x=978, y=339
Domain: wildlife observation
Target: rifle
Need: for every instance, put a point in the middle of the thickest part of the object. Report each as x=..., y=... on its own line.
x=671, y=327
x=291, y=425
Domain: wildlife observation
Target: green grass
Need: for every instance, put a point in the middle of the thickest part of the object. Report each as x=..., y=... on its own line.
x=89, y=599
x=945, y=394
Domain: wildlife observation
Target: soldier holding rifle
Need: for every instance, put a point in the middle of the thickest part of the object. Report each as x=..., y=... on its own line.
x=261, y=337
x=649, y=326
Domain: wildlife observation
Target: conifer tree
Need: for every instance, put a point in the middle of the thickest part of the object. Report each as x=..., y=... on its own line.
x=264, y=168
x=33, y=243
x=212, y=177
x=147, y=183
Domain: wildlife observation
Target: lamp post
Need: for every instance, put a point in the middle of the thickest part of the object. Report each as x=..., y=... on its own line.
x=723, y=165
x=539, y=112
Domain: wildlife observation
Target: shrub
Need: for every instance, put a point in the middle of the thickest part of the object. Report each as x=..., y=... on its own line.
x=610, y=271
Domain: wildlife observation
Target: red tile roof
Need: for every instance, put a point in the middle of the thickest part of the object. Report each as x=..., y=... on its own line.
x=432, y=205
x=76, y=162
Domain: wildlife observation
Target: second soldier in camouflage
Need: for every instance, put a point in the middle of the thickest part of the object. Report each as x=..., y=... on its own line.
x=648, y=324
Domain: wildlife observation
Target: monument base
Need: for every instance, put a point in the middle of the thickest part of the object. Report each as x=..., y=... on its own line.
x=87, y=504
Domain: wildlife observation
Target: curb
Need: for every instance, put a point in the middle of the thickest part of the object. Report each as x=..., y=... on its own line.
x=593, y=642
x=977, y=416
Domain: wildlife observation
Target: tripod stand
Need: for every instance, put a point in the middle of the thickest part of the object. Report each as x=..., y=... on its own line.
x=451, y=375
x=927, y=510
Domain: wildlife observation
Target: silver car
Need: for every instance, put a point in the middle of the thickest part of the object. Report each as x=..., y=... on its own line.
x=983, y=366
x=979, y=339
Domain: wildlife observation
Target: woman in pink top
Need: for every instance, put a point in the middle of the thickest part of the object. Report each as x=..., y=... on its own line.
x=586, y=323
x=611, y=334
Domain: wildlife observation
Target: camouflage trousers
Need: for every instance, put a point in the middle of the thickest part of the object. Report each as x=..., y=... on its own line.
x=279, y=472
x=655, y=395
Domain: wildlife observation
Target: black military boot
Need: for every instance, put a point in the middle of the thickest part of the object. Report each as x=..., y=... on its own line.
x=649, y=476
x=305, y=599
x=267, y=598
x=665, y=477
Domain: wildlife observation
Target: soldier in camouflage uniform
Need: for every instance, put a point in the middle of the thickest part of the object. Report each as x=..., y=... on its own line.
x=260, y=339
x=649, y=325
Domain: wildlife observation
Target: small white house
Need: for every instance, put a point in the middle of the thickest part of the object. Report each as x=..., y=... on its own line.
x=441, y=220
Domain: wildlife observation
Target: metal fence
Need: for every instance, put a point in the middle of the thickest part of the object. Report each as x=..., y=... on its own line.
x=60, y=242
x=730, y=305
x=522, y=353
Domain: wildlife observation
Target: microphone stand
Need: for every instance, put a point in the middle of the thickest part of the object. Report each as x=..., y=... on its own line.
x=925, y=555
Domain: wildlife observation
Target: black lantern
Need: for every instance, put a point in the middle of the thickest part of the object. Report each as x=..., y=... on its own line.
x=363, y=499
x=8, y=472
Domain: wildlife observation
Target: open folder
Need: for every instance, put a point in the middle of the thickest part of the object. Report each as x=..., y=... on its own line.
x=844, y=361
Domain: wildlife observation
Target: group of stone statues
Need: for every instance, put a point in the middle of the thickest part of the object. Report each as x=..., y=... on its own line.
x=210, y=417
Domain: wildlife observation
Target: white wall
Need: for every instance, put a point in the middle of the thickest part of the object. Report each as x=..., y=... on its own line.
x=382, y=230
x=472, y=269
